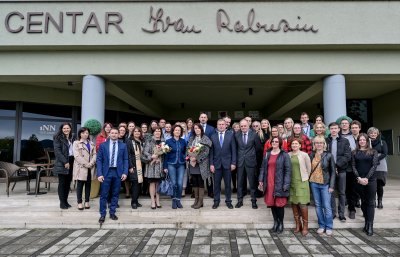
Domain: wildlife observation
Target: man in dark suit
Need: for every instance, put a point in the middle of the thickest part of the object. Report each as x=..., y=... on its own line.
x=208, y=131
x=112, y=168
x=248, y=144
x=222, y=162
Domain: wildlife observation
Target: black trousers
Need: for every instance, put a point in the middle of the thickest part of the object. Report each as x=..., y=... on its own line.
x=197, y=180
x=251, y=176
x=64, y=183
x=367, y=194
x=210, y=186
x=351, y=192
x=79, y=188
x=234, y=178
x=341, y=189
x=134, y=191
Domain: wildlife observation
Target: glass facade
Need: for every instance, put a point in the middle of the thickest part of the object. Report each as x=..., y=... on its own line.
x=7, y=131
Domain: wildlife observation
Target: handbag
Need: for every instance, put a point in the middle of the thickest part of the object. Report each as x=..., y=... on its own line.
x=166, y=187
x=382, y=165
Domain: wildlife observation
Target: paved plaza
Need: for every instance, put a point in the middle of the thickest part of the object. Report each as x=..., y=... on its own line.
x=195, y=242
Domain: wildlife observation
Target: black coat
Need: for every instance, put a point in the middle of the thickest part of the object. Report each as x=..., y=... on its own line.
x=283, y=174
x=328, y=168
x=247, y=153
x=132, y=158
x=343, y=155
x=61, y=153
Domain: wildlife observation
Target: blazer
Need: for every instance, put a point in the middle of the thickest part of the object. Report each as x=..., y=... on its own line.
x=61, y=153
x=305, y=164
x=84, y=159
x=247, y=153
x=103, y=159
x=177, y=154
x=225, y=156
x=283, y=174
x=210, y=130
x=132, y=157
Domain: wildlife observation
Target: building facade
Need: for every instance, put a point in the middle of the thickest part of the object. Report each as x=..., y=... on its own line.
x=129, y=60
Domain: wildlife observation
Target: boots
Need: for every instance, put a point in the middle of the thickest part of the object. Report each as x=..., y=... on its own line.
x=275, y=219
x=379, y=206
x=196, y=196
x=296, y=216
x=304, y=216
x=365, y=226
x=370, y=229
x=200, y=201
x=279, y=228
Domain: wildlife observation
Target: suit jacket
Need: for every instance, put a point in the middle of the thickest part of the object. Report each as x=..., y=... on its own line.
x=247, y=153
x=61, y=153
x=103, y=159
x=210, y=130
x=223, y=158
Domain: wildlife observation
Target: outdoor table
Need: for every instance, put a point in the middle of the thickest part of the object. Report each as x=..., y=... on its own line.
x=38, y=167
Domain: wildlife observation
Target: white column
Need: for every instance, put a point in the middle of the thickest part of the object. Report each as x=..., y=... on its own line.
x=334, y=91
x=93, y=98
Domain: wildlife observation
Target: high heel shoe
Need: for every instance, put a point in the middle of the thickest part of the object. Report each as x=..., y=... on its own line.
x=153, y=208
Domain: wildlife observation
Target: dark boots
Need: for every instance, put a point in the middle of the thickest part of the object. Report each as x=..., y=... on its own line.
x=370, y=229
x=273, y=210
x=379, y=206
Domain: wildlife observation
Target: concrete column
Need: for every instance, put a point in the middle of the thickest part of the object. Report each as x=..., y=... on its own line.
x=93, y=98
x=334, y=90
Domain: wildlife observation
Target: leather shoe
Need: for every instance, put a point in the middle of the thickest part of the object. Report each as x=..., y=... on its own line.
x=342, y=218
x=68, y=205
x=229, y=205
x=113, y=217
x=352, y=215
x=254, y=205
x=102, y=219
x=63, y=206
x=134, y=206
x=239, y=204
x=358, y=204
x=138, y=205
x=215, y=205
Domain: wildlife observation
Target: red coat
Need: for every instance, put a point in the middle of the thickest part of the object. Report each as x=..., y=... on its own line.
x=99, y=140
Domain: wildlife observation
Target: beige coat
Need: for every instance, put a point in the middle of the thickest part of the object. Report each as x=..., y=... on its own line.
x=81, y=163
x=305, y=164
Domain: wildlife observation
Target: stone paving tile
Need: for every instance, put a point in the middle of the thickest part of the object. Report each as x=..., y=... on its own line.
x=200, y=249
x=170, y=233
x=258, y=249
x=217, y=240
x=167, y=240
x=264, y=233
x=201, y=240
x=124, y=249
x=179, y=241
x=220, y=233
x=316, y=249
x=220, y=249
x=202, y=232
x=242, y=240
x=176, y=249
x=245, y=249
x=296, y=249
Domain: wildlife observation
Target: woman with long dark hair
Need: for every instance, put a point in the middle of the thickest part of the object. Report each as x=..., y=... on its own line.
x=84, y=166
x=64, y=162
x=103, y=136
x=275, y=177
x=135, y=175
x=364, y=161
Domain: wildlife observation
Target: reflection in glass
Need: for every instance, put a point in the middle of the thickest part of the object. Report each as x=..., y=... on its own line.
x=7, y=134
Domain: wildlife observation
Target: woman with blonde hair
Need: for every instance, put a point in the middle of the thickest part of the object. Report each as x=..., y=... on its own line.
x=322, y=183
x=266, y=130
x=319, y=129
x=288, y=128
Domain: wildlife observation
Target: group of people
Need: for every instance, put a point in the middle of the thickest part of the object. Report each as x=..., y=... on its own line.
x=289, y=162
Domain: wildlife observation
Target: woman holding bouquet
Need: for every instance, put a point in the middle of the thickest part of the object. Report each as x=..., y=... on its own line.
x=175, y=162
x=155, y=160
x=199, y=164
x=135, y=175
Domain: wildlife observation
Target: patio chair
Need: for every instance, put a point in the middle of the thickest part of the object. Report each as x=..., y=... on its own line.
x=10, y=172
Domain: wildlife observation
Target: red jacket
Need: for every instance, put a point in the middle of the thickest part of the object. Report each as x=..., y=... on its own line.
x=99, y=140
x=306, y=145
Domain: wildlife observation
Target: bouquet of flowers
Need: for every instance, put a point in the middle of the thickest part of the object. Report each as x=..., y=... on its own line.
x=161, y=149
x=193, y=151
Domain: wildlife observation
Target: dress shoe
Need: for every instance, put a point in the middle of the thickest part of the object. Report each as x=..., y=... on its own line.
x=63, y=206
x=379, y=206
x=158, y=206
x=239, y=204
x=358, y=204
x=342, y=218
x=254, y=205
x=102, y=219
x=229, y=205
x=174, y=206
x=352, y=215
x=68, y=205
x=215, y=205
x=211, y=195
x=113, y=217
x=178, y=204
x=138, y=204
x=334, y=216
x=134, y=206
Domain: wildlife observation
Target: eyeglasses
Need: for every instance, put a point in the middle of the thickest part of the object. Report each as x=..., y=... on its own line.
x=318, y=143
x=274, y=141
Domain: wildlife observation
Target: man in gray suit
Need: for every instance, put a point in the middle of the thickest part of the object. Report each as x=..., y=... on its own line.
x=222, y=162
x=248, y=144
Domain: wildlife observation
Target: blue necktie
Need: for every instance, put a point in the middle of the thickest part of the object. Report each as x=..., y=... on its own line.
x=113, y=155
x=221, y=140
x=244, y=138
